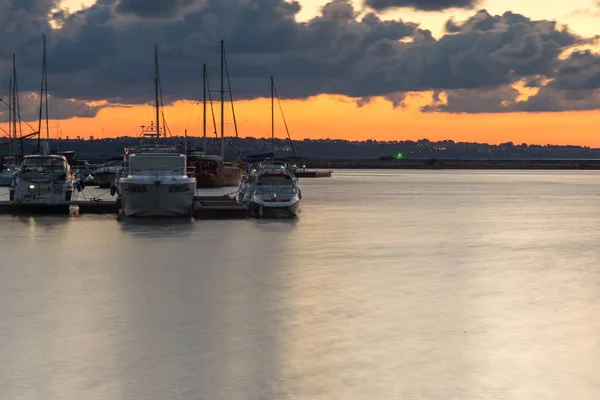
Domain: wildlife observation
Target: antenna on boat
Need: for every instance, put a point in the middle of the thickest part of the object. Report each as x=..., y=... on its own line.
x=222, y=100
x=157, y=105
x=185, y=144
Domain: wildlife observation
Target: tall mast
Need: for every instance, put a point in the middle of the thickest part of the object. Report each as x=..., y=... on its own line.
x=239, y=150
x=272, y=117
x=14, y=110
x=17, y=113
x=222, y=100
x=46, y=91
x=204, y=107
x=10, y=117
x=156, y=93
x=41, y=99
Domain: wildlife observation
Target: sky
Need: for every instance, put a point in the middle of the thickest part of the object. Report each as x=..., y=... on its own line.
x=483, y=71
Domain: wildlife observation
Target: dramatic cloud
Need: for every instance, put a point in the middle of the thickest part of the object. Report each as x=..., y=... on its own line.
x=508, y=99
x=423, y=5
x=156, y=8
x=580, y=71
x=105, y=52
x=61, y=108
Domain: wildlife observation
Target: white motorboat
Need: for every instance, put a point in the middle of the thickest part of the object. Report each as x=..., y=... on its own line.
x=155, y=184
x=270, y=190
x=105, y=175
x=43, y=180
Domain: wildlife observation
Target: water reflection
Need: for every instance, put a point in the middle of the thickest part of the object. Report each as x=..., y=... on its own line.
x=156, y=227
x=277, y=225
x=413, y=285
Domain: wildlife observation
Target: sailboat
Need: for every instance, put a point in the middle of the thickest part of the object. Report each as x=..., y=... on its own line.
x=212, y=170
x=9, y=165
x=43, y=179
x=154, y=181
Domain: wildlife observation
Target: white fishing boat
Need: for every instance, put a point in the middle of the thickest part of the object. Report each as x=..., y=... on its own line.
x=155, y=181
x=42, y=180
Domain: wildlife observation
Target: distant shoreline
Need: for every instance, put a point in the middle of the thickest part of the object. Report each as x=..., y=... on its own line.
x=436, y=164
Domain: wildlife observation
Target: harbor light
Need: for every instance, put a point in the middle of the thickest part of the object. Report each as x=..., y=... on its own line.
x=399, y=156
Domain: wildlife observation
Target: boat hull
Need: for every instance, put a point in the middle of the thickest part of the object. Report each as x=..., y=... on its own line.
x=41, y=193
x=157, y=199
x=104, y=179
x=6, y=178
x=263, y=209
x=227, y=177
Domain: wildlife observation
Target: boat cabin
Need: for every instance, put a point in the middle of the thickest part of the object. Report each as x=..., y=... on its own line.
x=45, y=166
x=205, y=163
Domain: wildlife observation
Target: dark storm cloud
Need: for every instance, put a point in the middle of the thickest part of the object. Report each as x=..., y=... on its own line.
x=106, y=51
x=505, y=99
x=155, y=8
x=422, y=5
x=580, y=71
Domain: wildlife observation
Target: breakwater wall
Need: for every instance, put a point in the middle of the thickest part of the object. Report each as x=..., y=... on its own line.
x=446, y=164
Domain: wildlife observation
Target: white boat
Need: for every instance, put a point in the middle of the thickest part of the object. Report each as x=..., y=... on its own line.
x=270, y=190
x=7, y=171
x=105, y=175
x=155, y=184
x=43, y=180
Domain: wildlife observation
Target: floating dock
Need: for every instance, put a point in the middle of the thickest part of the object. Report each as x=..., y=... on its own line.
x=219, y=207
x=205, y=207
x=312, y=174
x=65, y=207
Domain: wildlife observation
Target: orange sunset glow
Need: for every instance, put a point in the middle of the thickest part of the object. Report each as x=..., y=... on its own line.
x=339, y=117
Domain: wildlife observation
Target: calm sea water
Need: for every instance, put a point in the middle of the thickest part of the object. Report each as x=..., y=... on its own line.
x=390, y=285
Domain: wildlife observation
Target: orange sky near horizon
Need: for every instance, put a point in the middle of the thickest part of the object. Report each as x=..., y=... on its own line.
x=338, y=117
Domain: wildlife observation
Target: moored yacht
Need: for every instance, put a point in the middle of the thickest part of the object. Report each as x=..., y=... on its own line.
x=211, y=171
x=105, y=175
x=155, y=184
x=43, y=180
x=270, y=190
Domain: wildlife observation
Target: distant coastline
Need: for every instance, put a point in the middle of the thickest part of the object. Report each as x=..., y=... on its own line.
x=344, y=154
x=439, y=164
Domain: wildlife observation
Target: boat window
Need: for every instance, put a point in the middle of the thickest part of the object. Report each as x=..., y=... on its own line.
x=274, y=180
x=148, y=163
x=44, y=165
